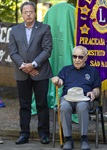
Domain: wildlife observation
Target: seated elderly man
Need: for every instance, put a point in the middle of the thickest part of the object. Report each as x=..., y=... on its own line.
x=75, y=79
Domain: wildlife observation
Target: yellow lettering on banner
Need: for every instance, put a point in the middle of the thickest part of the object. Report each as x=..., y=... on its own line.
x=91, y=41
x=96, y=53
x=103, y=64
x=96, y=63
x=86, y=40
x=91, y=53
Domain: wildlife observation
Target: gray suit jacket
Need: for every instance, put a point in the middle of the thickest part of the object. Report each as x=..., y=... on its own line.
x=39, y=49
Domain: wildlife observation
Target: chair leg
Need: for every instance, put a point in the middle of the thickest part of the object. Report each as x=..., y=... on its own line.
x=54, y=127
x=102, y=122
x=97, y=127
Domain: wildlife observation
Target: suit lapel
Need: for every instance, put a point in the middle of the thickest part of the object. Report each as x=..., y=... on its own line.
x=24, y=34
x=34, y=31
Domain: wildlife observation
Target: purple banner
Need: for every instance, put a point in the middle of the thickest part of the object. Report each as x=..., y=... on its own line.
x=92, y=33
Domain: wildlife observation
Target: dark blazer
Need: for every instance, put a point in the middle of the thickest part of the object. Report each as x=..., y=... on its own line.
x=39, y=49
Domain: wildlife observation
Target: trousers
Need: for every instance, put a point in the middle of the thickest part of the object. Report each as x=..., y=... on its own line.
x=40, y=89
x=67, y=109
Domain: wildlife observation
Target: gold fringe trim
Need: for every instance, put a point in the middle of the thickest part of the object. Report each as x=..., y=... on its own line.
x=76, y=22
x=104, y=85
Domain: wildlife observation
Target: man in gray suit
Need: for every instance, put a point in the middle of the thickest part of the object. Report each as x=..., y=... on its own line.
x=30, y=46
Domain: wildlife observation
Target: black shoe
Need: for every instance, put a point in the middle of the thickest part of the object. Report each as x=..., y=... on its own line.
x=44, y=140
x=21, y=140
x=67, y=145
x=84, y=143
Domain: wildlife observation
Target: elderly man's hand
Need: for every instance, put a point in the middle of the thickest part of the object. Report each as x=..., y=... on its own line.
x=94, y=93
x=91, y=95
x=57, y=81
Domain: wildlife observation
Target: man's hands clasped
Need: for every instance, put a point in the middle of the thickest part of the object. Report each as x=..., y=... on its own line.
x=29, y=69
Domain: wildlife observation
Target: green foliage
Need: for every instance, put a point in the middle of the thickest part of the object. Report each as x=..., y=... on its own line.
x=53, y=2
x=8, y=10
x=72, y=2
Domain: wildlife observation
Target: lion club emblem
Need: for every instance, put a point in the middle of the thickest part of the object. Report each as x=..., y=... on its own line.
x=99, y=18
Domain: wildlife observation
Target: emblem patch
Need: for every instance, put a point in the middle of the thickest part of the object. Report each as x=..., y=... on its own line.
x=87, y=77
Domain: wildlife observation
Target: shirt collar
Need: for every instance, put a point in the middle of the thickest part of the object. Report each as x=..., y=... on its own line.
x=80, y=68
x=30, y=27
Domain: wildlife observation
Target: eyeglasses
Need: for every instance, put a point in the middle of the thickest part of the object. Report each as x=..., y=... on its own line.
x=28, y=12
x=79, y=57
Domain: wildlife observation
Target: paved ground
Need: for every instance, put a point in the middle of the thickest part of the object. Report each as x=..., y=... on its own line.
x=9, y=130
x=36, y=145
